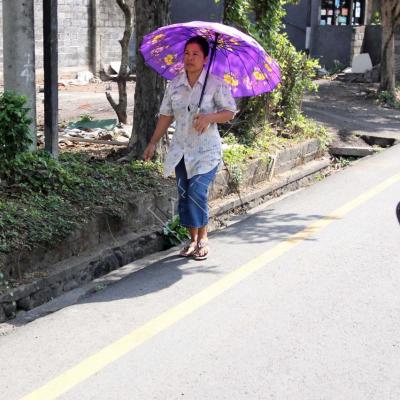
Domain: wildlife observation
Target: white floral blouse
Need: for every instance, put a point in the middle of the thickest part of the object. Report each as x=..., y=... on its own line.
x=202, y=152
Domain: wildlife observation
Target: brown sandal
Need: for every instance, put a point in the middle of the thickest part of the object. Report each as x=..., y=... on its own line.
x=201, y=252
x=188, y=250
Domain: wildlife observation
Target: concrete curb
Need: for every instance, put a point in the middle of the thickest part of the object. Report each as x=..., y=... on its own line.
x=352, y=151
x=218, y=207
x=73, y=296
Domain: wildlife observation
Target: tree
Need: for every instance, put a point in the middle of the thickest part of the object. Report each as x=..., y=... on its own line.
x=149, y=15
x=123, y=74
x=390, y=14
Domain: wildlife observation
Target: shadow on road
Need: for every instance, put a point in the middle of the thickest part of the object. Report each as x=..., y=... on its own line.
x=262, y=228
x=155, y=277
x=267, y=227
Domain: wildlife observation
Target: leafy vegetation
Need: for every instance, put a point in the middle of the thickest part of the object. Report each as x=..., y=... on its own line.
x=262, y=141
x=389, y=99
x=42, y=199
x=85, y=118
x=14, y=128
x=174, y=232
x=263, y=20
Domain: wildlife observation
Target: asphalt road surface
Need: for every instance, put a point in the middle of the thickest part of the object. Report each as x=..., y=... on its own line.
x=300, y=300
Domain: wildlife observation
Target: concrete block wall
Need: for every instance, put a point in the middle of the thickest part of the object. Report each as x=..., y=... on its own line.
x=88, y=34
x=357, y=41
x=74, y=28
x=110, y=24
x=74, y=33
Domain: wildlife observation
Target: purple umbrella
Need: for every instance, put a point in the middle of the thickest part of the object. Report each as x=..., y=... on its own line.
x=235, y=57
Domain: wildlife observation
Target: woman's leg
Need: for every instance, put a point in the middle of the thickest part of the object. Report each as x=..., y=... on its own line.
x=202, y=233
x=198, y=208
x=194, y=234
x=182, y=184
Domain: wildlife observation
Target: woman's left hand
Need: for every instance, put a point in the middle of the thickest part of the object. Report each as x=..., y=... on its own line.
x=201, y=122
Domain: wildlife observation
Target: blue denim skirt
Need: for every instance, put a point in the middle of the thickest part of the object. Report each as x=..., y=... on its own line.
x=193, y=196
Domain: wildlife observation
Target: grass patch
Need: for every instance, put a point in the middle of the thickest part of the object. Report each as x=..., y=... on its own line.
x=263, y=141
x=42, y=200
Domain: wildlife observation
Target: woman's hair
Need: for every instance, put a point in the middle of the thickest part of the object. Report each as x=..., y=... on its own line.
x=203, y=43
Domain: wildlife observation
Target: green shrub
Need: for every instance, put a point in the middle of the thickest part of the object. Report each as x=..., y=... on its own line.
x=376, y=18
x=14, y=128
x=297, y=74
x=174, y=232
x=388, y=99
x=305, y=128
x=336, y=68
x=37, y=172
x=85, y=118
x=235, y=157
x=263, y=20
x=46, y=199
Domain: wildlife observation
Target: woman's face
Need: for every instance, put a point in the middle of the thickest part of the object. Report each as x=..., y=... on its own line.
x=194, y=59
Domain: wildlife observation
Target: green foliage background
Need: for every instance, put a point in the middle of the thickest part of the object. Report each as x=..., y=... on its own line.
x=263, y=19
x=14, y=128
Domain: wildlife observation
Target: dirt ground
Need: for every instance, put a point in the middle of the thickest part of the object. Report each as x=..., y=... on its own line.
x=90, y=99
x=348, y=109
x=74, y=101
x=341, y=105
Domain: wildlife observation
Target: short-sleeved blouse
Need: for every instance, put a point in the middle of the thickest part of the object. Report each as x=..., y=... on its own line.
x=201, y=152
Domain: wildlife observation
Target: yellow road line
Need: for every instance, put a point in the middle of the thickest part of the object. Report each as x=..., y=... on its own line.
x=89, y=366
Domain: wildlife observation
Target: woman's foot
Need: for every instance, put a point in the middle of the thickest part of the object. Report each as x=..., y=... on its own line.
x=201, y=251
x=188, y=250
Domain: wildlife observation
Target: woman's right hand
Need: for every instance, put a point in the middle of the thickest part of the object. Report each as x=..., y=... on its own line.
x=149, y=152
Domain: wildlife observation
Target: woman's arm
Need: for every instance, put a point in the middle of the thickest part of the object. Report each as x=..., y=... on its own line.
x=164, y=121
x=201, y=121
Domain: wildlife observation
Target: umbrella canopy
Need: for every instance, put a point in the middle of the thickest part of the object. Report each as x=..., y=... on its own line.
x=238, y=59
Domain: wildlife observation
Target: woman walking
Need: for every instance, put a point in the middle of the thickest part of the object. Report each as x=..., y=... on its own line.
x=195, y=151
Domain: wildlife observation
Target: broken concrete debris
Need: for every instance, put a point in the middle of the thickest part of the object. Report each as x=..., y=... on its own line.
x=119, y=135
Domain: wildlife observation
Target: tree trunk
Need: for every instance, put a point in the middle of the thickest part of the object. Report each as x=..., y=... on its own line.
x=150, y=15
x=123, y=74
x=390, y=14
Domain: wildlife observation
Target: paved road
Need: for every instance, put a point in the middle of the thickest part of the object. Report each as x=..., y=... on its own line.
x=298, y=301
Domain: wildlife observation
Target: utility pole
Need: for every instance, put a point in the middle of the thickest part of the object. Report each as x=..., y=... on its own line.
x=19, y=54
x=50, y=52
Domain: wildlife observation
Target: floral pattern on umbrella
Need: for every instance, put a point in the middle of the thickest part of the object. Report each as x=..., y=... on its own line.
x=239, y=60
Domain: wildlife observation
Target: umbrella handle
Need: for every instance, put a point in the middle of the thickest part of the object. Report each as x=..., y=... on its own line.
x=212, y=56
